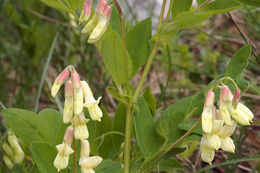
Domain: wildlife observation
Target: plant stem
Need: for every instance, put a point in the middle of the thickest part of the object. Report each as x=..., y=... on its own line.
x=205, y=3
x=74, y=156
x=127, y=140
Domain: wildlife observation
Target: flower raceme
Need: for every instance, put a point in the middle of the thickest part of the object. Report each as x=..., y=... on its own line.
x=99, y=22
x=218, y=125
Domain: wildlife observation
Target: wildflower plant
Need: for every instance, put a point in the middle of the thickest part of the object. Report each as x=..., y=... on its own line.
x=82, y=137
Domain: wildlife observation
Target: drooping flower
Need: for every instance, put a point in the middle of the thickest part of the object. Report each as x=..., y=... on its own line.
x=225, y=104
x=89, y=163
x=59, y=81
x=18, y=152
x=207, y=114
x=64, y=150
x=68, y=105
x=99, y=22
x=78, y=94
x=80, y=128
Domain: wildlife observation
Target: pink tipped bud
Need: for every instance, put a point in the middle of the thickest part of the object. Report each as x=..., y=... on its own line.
x=217, y=113
x=225, y=94
x=87, y=7
x=209, y=101
x=63, y=76
x=68, y=89
x=75, y=80
x=101, y=7
x=236, y=98
x=108, y=12
x=68, y=137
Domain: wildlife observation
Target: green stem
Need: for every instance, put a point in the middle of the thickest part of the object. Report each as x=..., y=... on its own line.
x=148, y=162
x=220, y=80
x=127, y=140
x=169, y=11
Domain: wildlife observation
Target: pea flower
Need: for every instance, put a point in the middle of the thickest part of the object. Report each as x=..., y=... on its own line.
x=68, y=105
x=225, y=105
x=59, y=81
x=80, y=128
x=78, y=94
x=8, y=162
x=207, y=113
x=90, y=102
x=86, y=12
x=99, y=22
x=64, y=150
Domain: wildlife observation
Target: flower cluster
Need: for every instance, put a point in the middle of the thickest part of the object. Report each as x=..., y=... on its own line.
x=77, y=96
x=218, y=125
x=13, y=152
x=97, y=25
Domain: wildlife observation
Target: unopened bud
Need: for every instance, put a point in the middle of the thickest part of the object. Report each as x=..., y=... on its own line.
x=209, y=101
x=59, y=81
x=78, y=101
x=85, y=149
x=75, y=80
x=68, y=137
x=227, y=144
x=7, y=149
x=86, y=12
x=225, y=94
x=68, y=105
x=8, y=162
x=91, y=24
x=208, y=111
x=236, y=98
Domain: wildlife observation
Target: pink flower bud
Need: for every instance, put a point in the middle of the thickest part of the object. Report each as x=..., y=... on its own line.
x=68, y=137
x=236, y=98
x=68, y=89
x=225, y=94
x=75, y=80
x=63, y=76
x=209, y=101
x=87, y=7
x=108, y=12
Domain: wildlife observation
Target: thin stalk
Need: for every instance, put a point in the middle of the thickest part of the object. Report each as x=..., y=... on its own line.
x=74, y=156
x=44, y=73
x=150, y=58
x=204, y=3
x=147, y=163
x=169, y=11
x=127, y=140
x=2, y=105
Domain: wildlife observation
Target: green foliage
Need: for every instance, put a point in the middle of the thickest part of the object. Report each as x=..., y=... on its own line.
x=179, y=6
x=108, y=166
x=254, y=3
x=221, y=6
x=150, y=99
x=113, y=57
x=170, y=165
x=148, y=140
x=137, y=43
x=239, y=62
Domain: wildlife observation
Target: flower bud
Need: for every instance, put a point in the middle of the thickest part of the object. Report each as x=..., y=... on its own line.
x=90, y=25
x=68, y=105
x=18, y=152
x=7, y=149
x=225, y=94
x=227, y=144
x=207, y=154
x=93, y=108
x=225, y=104
x=75, y=80
x=90, y=162
x=78, y=101
x=242, y=115
x=59, y=81
x=68, y=137
x=85, y=149
x=86, y=12
x=8, y=162
x=236, y=98
x=207, y=114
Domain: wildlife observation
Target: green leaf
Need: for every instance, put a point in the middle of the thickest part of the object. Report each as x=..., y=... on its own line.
x=180, y=6
x=57, y=4
x=150, y=100
x=137, y=43
x=221, y=6
x=255, y=3
x=189, y=19
x=113, y=57
x=115, y=20
x=119, y=126
x=73, y=4
x=148, y=140
x=239, y=62
x=229, y=162
x=167, y=125
x=170, y=165
x=107, y=166
x=23, y=123
x=31, y=128
x=118, y=96
x=44, y=155
x=18, y=169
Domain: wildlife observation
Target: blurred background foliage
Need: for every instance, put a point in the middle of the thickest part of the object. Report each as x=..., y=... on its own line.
x=183, y=66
